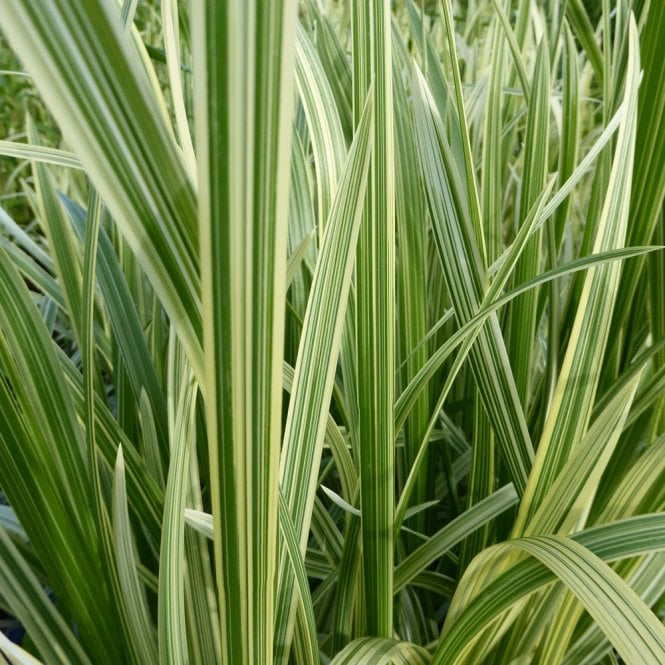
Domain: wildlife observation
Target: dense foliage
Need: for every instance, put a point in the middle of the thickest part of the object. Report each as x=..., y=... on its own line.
x=332, y=331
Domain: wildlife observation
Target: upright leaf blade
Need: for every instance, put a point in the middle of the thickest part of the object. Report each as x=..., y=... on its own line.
x=244, y=63
x=523, y=311
x=171, y=632
x=375, y=318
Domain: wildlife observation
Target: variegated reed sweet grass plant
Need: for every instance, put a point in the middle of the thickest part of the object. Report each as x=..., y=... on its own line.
x=361, y=292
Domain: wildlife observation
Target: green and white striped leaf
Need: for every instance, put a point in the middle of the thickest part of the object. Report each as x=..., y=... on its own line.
x=375, y=312
x=381, y=651
x=577, y=562
x=183, y=390
x=244, y=58
x=125, y=551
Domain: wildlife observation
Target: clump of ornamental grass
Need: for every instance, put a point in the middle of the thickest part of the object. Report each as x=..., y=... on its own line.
x=335, y=333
